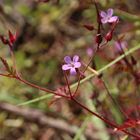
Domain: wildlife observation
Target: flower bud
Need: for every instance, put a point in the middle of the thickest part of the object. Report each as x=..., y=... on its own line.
x=12, y=37
x=98, y=38
x=108, y=36
x=89, y=27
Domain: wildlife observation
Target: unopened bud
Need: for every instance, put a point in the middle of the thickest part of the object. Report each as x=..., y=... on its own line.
x=12, y=37
x=89, y=27
x=108, y=36
x=98, y=38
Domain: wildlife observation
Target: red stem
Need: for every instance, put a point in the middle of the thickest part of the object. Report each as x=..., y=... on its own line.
x=79, y=76
x=40, y=88
x=104, y=119
x=67, y=81
x=114, y=101
x=73, y=99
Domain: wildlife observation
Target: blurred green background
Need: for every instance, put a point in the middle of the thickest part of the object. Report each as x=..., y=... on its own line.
x=46, y=33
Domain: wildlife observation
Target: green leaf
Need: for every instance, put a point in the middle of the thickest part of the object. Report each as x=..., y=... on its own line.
x=36, y=99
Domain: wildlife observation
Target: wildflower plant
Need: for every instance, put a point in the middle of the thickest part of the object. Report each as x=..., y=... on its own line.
x=71, y=65
x=107, y=17
x=77, y=67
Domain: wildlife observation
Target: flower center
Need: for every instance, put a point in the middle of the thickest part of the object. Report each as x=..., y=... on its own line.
x=72, y=64
x=108, y=18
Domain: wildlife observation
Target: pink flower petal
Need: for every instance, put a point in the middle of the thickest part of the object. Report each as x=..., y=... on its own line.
x=113, y=19
x=119, y=46
x=110, y=12
x=104, y=20
x=66, y=67
x=75, y=58
x=103, y=14
x=67, y=59
x=77, y=64
x=73, y=71
x=89, y=51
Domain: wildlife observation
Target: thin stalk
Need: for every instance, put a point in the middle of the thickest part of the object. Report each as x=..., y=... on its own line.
x=67, y=82
x=108, y=92
x=40, y=88
x=79, y=76
x=7, y=75
x=104, y=119
x=13, y=58
x=133, y=72
x=113, y=100
x=108, y=65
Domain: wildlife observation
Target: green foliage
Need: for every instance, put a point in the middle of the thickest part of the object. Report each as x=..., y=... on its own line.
x=48, y=32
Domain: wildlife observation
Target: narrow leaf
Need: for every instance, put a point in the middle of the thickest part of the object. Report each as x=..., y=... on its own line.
x=5, y=65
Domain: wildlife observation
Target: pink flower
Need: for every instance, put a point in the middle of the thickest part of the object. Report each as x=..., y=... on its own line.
x=89, y=51
x=120, y=46
x=71, y=65
x=107, y=17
